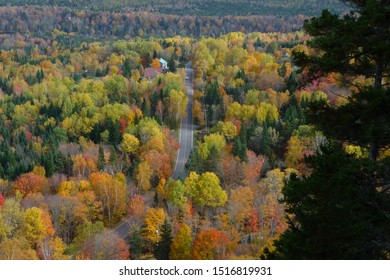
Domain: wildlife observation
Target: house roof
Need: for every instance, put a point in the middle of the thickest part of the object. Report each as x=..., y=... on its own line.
x=151, y=73
x=162, y=60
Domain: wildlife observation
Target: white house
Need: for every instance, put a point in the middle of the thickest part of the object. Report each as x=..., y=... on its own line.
x=163, y=63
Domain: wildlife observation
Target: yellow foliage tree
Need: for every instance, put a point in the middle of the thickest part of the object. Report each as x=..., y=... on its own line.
x=130, y=143
x=154, y=219
x=209, y=140
x=144, y=173
x=181, y=244
x=34, y=227
x=205, y=189
x=67, y=188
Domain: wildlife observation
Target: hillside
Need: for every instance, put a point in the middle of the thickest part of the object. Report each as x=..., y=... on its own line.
x=197, y=7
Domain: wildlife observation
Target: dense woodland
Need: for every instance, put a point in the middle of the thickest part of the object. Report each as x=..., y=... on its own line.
x=97, y=25
x=196, y=7
x=86, y=142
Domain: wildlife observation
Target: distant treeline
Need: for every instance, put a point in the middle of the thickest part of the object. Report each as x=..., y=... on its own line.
x=196, y=7
x=43, y=20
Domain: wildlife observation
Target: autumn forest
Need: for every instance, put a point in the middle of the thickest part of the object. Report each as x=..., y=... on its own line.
x=291, y=134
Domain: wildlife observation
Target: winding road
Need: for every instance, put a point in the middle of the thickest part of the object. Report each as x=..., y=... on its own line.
x=186, y=133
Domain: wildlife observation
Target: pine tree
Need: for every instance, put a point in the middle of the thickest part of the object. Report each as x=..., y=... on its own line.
x=127, y=68
x=337, y=211
x=172, y=64
x=211, y=163
x=145, y=108
x=101, y=162
x=48, y=163
x=163, y=247
x=114, y=129
x=340, y=210
x=134, y=240
x=68, y=166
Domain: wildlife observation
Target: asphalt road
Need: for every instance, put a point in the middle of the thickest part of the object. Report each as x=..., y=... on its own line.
x=186, y=133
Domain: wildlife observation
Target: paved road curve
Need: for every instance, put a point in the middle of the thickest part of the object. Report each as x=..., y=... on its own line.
x=186, y=132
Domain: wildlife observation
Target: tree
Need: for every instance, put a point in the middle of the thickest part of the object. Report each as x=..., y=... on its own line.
x=135, y=243
x=360, y=121
x=143, y=176
x=130, y=143
x=216, y=140
x=127, y=68
x=11, y=218
x=163, y=246
x=111, y=191
x=336, y=212
x=156, y=63
x=136, y=206
x=67, y=188
x=29, y=183
x=51, y=248
x=210, y=244
x=175, y=193
x=205, y=189
x=101, y=162
x=16, y=249
x=34, y=227
x=181, y=244
x=339, y=179
x=85, y=232
x=106, y=246
x=353, y=57
x=172, y=64
x=2, y=200
x=154, y=219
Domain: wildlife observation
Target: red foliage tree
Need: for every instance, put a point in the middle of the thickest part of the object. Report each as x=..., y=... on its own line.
x=2, y=200
x=251, y=222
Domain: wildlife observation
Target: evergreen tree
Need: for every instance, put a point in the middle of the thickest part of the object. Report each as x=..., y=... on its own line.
x=212, y=162
x=134, y=240
x=341, y=210
x=239, y=149
x=59, y=162
x=352, y=45
x=282, y=70
x=22, y=139
x=48, y=163
x=101, y=162
x=291, y=82
x=163, y=247
x=127, y=68
x=68, y=166
x=145, y=108
x=114, y=129
x=338, y=211
x=172, y=64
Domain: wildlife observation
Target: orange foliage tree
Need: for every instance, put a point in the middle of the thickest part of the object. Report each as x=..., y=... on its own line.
x=29, y=183
x=211, y=244
x=111, y=191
